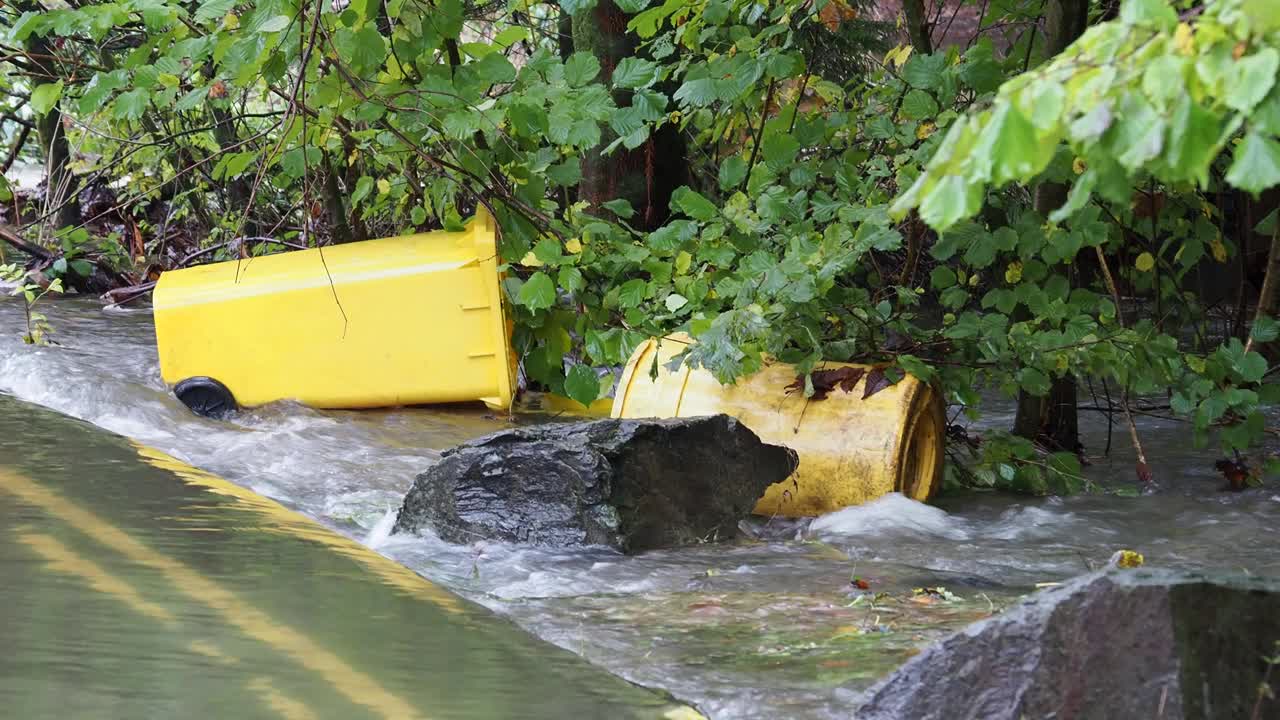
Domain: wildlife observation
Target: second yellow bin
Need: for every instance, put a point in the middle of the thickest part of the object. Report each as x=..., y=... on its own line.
x=851, y=450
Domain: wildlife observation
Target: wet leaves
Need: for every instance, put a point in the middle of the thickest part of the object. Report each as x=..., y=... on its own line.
x=876, y=381
x=824, y=382
x=1236, y=472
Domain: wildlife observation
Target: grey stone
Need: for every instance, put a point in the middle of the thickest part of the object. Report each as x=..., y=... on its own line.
x=633, y=484
x=1117, y=644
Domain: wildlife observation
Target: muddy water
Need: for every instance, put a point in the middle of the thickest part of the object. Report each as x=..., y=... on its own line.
x=772, y=626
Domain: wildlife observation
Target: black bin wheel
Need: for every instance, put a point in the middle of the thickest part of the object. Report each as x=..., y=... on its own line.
x=206, y=396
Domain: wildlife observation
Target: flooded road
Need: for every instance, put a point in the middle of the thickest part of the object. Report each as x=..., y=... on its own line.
x=135, y=586
x=795, y=621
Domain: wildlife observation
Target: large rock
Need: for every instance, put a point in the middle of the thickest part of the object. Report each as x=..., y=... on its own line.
x=632, y=484
x=1119, y=644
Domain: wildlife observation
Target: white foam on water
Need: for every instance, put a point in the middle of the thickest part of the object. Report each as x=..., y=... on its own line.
x=892, y=514
x=381, y=531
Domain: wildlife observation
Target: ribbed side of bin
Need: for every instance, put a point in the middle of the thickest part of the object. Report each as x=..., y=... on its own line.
x=851, y=450
x=396, y=321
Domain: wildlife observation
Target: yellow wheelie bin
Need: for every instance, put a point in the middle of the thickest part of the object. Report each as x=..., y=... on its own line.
x=851, y=450
x=396, y=321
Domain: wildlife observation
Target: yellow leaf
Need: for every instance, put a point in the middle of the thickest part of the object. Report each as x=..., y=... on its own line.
x=683, y=261
x=1013, y=273
x=1219, y=249
x=1078, y=166
x=1183, y=39
x=530, y=260
x=925, y=130
x=1145, y=262
x=899, y=55
x=384, y=186
x=230, y=21
x=573, y=245
x=1061, y=363
x=1127, y=559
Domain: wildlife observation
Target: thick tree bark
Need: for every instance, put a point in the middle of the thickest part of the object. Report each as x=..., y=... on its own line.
x=564, y=28
x=1064, y=21
x=647, y=175
x=238, y=189
x=61, y=185
x=918, y=26
x=1052, y=420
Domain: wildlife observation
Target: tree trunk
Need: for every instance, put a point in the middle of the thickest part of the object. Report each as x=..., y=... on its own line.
x=1064, y=21
x=917, y=26
x=60, y=183
x=1052, y=420
x=564, y=28
x=238, y=189
x=647, y=175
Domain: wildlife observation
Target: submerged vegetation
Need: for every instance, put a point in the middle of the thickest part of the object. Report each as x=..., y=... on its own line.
x=1047, y=198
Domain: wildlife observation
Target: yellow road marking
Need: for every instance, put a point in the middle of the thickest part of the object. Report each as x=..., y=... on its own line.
x=61, y=558
x=288, y=707
x=359, y=687
x=298, y=525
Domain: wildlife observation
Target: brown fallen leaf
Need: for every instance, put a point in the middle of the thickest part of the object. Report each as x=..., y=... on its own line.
x=876, y=381
x=824, y=381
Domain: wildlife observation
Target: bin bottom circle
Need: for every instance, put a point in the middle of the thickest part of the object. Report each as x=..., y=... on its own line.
x=206, y=396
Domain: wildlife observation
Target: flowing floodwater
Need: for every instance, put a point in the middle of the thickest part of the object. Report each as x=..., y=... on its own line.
x=768, y=627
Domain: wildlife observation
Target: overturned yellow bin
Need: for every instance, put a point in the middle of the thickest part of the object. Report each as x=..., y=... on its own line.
x=851, y=450
x=328, y=328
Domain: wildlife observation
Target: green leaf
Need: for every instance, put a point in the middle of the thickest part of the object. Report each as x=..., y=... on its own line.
x=1265, y=329
x=693, y=204
x=494, y=69
x=779, y=150
x=732, y=172
x=1194, y=141
x=924, y=72
x=363, y=187
x=538, y=292
x=697, y=92
x=1008, y=149
x=942, y=277
x=1034, y=381
x=233, y=164
x=676, y=301
x=620, y=207
x=214, y=10
x=632, y=293
x=446, y=18
x=950, y=201
x=132, y=104
x=275, y=23
x=582, y=385
x=565, y=174
x=635, y=72
x=1148, y=12
x=570, y=278
x=1251, y=78
x=918, y=105
x=580, y=69
x=45, y=97
x=1257, y=164
x=510, y=36
x=192, y=100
